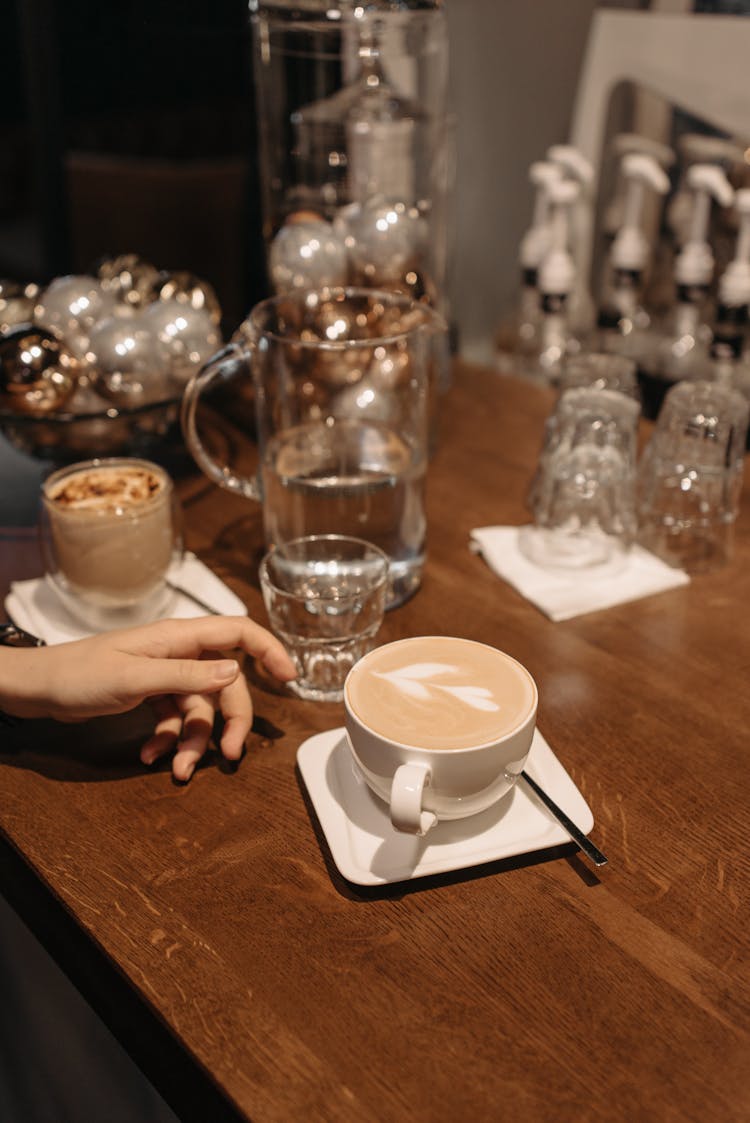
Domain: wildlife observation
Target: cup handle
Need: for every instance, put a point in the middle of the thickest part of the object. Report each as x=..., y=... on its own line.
x=219, y=366
x=407, y=815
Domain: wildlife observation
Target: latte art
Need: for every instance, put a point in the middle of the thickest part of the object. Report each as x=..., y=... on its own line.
x=419, y=680
x=440, y=693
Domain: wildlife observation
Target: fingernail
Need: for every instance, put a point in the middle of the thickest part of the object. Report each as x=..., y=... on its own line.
x=147, y=758
x=189, y=772
x=227, y=669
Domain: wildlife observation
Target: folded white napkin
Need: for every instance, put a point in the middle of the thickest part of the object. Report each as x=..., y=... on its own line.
x=35, y=607
x=562, y=596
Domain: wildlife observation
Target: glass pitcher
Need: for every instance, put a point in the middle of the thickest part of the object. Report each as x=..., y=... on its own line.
x=338, y=443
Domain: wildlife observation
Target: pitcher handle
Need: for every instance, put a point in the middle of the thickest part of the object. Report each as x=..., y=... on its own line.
x=219, y=366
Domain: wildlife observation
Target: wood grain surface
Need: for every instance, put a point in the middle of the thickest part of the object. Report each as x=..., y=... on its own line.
x=531, y=989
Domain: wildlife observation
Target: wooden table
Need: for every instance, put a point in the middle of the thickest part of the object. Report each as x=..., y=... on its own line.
x=210, y=927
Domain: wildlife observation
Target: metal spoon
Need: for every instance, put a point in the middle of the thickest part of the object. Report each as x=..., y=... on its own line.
x=577, y=835
x=191, y=596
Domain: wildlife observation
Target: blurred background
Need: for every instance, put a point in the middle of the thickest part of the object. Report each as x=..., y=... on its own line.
x=131, y=127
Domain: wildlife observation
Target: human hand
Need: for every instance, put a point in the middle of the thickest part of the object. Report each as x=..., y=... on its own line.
x=176, y=665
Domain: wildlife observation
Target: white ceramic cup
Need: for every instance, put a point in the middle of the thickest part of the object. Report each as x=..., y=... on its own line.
x=439, y=727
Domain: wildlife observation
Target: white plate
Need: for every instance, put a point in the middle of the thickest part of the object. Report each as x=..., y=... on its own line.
x=369, y=851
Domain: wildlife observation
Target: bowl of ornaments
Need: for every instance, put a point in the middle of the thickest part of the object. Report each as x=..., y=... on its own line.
x=95, y=365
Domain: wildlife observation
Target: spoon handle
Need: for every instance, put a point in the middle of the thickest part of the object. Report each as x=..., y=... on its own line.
x=191, y=596
x=577, y=835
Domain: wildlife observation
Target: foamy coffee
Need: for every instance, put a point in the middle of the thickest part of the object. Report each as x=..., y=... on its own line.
x=111, y=530
x=439, y=692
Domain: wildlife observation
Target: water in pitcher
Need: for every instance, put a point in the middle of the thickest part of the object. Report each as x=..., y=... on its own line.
x=350, y=477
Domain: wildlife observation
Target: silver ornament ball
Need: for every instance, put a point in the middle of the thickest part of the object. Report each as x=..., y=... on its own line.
x=307, y=255
x=124, y=364
x=384, y=239
x=185, y=337
x=70, y=306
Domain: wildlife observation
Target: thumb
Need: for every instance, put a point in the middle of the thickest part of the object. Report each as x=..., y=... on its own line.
x=181, y=676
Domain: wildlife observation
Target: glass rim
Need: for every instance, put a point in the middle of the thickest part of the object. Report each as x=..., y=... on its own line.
x=600, y=358
x=106, y=462
x=378, y=555
x=337, y=12
x=434, y=321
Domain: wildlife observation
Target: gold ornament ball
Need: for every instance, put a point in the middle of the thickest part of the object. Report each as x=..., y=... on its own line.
x=186, y=288
x=128, y=278
x=16, y=303
x=38, y=373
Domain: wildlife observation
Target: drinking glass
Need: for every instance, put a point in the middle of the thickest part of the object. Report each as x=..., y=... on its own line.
x=325, y=598
x=107, y=552
x=690, y=476
x=583, y=493
x=340, y=380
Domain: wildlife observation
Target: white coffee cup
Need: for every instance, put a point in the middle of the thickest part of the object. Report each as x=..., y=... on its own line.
x=440, y=727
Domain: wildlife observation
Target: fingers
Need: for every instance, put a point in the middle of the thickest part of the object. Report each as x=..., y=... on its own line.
x=187, y=639
x=144, y=677
x=178, y=659
x=166, y=730
x=197, y=724
x=236, y=708
x=186, y=722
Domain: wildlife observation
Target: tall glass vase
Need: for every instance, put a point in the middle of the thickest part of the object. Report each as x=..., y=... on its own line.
x=356, y=143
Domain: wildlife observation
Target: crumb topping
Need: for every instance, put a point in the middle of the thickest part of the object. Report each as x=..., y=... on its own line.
x=107, y=489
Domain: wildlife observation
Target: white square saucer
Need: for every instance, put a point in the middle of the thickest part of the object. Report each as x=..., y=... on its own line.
x=35, y=606
x=368, y=850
